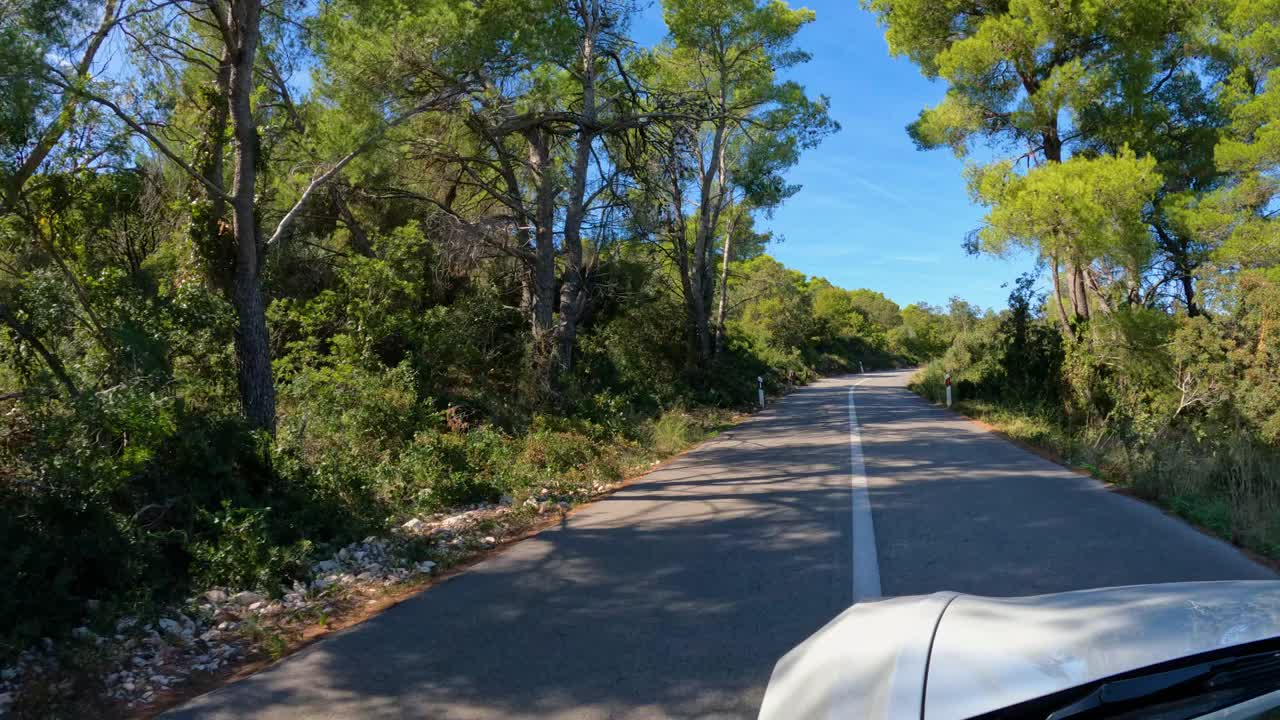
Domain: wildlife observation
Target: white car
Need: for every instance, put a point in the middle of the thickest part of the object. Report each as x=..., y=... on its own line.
x=1183, y=650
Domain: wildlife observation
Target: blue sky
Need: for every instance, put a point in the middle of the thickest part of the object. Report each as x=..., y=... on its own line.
x=874, y=211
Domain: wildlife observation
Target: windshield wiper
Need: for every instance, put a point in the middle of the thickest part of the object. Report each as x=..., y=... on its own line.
x=1242, y=674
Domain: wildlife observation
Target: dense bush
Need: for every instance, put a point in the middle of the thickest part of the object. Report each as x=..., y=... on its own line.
x=395, y=398
x=1180, y=407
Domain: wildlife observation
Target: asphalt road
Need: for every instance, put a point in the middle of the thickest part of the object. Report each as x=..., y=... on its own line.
x=675, y=596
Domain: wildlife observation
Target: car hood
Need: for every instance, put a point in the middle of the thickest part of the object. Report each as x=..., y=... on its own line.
x=981, y=654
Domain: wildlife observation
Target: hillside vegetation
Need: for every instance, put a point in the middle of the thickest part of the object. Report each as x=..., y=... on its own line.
x=275, y=276
x=1133, y=149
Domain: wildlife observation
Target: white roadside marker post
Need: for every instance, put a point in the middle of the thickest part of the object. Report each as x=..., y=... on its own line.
x=760, y=390
x=861, y=369
x=948, y=389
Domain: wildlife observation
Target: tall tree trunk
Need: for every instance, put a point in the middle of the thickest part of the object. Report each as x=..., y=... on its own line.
x=544, y=260
x=678, y=231
x=1076, y=289
x=700, y=282
x=1189, y=294
x=253, y=349
x=1057, y=293
x=208, y=221
x=723, y=310
x=573, y=289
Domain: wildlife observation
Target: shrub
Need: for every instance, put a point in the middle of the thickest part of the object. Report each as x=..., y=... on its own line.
x=242, y=552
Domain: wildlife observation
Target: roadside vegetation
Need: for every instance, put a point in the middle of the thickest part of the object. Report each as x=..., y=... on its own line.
x=1132, y=148
x=277, y=276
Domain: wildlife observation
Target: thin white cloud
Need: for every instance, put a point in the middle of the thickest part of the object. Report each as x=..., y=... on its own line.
x=918, y=259
x=878, y=189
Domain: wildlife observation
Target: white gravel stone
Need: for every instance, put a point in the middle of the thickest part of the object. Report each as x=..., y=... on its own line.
x=246, y=597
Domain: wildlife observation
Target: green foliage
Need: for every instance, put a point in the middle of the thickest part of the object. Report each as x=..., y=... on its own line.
x=639, y=353
x=29, y=31
x=242, y=553
x=923, y=333
x=1181, y=408
x=1241, y=215
x=1014, y=68
x=103, y=498
x=674, y=431
x=1013, y=357
x=1081, y=210
x=797, y=325
x=411, y=306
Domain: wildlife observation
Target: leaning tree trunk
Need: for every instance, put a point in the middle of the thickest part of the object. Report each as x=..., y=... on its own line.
x=51, y=361
x=253, y=350
x=71, y=101
x=1179, y=251
x=35, y=157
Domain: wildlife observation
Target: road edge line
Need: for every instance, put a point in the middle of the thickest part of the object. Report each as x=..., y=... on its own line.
x=866, y=566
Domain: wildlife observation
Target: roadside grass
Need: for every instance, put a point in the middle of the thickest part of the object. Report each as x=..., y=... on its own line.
x=1227, y=488
x=677, y=429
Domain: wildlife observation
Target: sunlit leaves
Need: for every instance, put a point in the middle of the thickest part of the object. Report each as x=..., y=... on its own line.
x=1243, y=215
x=1082, y=209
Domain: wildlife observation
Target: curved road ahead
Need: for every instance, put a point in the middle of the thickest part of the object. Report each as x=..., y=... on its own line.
x=675, y=596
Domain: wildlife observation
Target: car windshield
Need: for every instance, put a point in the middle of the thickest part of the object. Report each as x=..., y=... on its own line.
x=1234, y=683
x=1263, y=707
